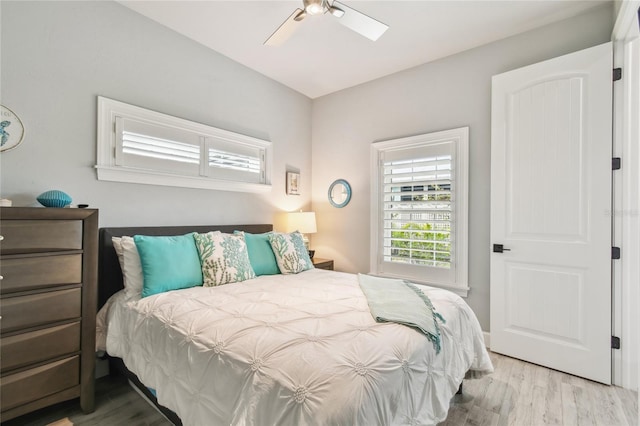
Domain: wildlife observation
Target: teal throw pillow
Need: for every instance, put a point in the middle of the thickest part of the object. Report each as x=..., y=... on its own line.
x=224, y=258
x=168, y=263
x=261, y=256
x=291, y=254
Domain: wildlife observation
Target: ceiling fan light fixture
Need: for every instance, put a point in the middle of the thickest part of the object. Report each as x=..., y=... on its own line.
x=314, y=7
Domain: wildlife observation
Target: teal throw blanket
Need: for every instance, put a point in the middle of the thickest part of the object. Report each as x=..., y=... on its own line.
x=394, y=300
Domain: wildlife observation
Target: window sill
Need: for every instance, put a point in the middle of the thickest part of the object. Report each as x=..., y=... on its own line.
x=460, y=290
x=147, y=177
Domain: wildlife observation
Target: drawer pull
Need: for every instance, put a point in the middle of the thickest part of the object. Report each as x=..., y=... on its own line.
x=1, y=277
x=1, y=238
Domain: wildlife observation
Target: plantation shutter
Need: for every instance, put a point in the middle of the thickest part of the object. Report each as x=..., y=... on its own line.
x=156, y=147
x=417, y=213
x=234, y=161
x=138, y=145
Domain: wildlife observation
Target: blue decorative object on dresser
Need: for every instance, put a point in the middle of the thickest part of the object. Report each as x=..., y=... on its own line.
x=54, y=198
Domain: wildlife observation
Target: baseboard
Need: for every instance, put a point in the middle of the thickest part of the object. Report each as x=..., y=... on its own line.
x=487, y=339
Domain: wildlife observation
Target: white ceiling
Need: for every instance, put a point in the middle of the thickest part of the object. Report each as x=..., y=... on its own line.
x=323, y=56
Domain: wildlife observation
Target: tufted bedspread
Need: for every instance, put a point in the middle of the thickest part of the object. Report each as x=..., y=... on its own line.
x=292, y=350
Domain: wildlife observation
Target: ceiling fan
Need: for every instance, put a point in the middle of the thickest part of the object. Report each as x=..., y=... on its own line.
x=350, y=18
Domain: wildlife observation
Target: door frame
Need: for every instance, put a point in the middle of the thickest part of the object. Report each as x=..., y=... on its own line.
x=626, y=194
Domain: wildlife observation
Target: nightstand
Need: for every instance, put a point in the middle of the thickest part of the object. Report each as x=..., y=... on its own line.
x=320, y=263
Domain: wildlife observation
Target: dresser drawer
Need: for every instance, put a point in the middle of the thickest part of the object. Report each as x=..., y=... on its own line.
x=41, y=345
x=36, y=383
x=25, y=273
x=37, y=309
x=24, y=236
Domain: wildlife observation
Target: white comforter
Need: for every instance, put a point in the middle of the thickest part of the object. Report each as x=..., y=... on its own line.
x=292, y=350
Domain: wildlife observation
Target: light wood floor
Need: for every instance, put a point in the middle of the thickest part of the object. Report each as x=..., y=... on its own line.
x=518, y=393
x=522, y=394
x=117, y=404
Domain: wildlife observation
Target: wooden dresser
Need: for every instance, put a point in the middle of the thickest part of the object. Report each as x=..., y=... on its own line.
x=48, y=300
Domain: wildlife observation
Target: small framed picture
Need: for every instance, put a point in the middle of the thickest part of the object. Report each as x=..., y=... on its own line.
x=293, y=183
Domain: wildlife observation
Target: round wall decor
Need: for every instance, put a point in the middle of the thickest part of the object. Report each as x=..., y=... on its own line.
x=11, y=129
x=339, y=193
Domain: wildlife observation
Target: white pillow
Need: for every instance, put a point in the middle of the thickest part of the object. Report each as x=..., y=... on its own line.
x=129, y=259
x=117, y=246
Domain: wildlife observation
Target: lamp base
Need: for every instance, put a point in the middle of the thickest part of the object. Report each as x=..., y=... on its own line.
x=305, y=240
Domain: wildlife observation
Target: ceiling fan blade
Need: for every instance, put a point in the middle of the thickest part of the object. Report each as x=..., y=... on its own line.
x=285, y=30
x=360, y=23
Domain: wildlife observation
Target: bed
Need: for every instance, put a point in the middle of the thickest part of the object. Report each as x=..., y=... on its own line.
x=299, y=349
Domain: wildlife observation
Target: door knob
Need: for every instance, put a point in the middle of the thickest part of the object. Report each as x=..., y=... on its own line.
x=499, y=248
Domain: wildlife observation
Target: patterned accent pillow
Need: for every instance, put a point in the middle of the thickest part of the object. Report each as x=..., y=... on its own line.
x=224, y=258
x=291, y=254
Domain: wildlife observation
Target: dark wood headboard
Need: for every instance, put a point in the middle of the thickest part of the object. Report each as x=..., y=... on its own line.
x=109, y=272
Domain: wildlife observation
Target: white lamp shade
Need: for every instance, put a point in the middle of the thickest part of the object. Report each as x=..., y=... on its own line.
x=304, y=222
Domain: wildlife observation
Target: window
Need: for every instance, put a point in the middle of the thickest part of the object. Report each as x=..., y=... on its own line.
x=419, y=209
x=142, y=146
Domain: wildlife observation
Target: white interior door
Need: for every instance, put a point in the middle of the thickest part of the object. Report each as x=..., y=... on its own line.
x=550, y=209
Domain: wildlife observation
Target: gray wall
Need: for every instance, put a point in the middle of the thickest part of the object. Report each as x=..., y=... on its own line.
x=449, y=93
x=57, y=57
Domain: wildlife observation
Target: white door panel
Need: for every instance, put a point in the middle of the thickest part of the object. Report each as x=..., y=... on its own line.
x=550, y=204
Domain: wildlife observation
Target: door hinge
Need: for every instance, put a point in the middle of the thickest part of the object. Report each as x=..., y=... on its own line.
x=617, y=74
x=615, y=342
x=615, y=252
x=616, y=163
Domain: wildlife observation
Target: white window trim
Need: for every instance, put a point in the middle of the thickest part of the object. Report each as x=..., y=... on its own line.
x=460, y=138
x=109, y=109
